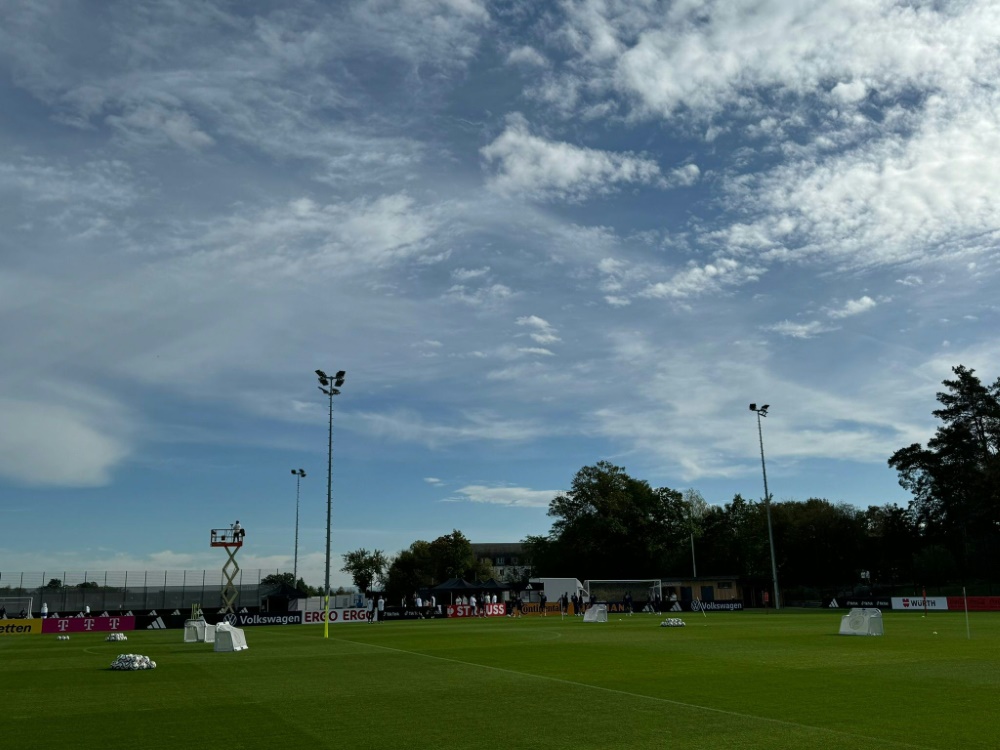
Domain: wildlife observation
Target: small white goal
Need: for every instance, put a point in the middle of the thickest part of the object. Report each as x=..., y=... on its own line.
x=596, y=613
x=865, y=621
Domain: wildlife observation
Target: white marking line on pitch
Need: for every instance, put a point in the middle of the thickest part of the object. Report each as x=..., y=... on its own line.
x=722, y=711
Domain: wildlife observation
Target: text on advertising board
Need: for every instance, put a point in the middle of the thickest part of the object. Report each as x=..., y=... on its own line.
x=350, y=614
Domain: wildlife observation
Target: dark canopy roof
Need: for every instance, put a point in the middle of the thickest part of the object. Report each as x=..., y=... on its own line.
x=456, y=584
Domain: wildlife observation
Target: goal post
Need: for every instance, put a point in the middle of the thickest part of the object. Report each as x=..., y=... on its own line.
x=597, y=613
x=643, y=592
x=12, y=606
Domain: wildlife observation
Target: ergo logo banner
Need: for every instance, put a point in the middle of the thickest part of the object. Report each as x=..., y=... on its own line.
x=350, y=614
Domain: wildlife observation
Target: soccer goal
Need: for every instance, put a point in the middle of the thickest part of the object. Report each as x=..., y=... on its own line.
x=640, y=591
x=862, y=622
x=12, y=606
x=597, y=613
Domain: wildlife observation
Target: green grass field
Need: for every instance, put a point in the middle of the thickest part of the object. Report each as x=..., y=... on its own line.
x=731, y=680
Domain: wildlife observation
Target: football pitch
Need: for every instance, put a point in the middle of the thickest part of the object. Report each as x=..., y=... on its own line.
x=729, y=680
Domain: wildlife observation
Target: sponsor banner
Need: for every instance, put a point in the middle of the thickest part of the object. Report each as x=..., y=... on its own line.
x=853, y=602
x=87, y=624
x=733, y=606
x=348, y=614
x=919, y=603
x=488, y=610
x=20, y=627
x=161, y=622
x=975, y=603
x=250, y=619
x=409, y=613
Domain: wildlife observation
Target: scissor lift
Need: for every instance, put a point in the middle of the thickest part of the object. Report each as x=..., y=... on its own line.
x=231, y=540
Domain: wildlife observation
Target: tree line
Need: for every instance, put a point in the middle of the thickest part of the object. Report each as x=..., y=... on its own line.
x=612, y=525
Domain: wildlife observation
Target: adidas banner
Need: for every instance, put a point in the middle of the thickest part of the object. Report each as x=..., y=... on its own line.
x=854, y=602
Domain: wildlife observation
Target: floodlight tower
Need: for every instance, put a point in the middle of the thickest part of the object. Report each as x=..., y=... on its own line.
x=299, y=476
x=331, y=387
x=230, y=539
x=762, y=412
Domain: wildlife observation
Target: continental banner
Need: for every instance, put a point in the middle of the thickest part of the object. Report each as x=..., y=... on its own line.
x=20, y=627
x=88, y=624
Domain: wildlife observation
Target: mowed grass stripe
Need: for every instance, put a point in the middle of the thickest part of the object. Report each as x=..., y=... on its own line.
x=739, y=717
x=735, y=680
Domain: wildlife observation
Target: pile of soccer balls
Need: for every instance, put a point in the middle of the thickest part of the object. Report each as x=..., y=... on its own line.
x=62, y=637
x=672, y=622
x=116, y=637
x=132, y=662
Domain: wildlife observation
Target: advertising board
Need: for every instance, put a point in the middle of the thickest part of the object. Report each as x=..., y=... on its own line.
x=920, y=603
x=464, y=610
x=88, y=624
x=347, y=614
x=20, y=627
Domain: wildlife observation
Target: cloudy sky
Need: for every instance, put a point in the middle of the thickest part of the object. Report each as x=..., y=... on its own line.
x=535, y=235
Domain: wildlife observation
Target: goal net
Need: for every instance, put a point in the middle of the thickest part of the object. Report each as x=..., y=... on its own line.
x=641, y=594
x=862, y=622
x=597, y=613
x=14, y=606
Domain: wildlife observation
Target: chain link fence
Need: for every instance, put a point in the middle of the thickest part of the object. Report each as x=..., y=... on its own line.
x=124, y=590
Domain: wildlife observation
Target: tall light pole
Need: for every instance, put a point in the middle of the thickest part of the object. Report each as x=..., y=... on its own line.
x=331, y=387
x=299, y=475
x=762, y=412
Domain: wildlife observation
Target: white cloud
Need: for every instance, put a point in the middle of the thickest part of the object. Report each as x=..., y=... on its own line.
x=515, y=497
x=854, y=307
x=484, y=296
x=527, y=164
x=543, y=332
x=698, y=280
x=527, y=56
x=467, y=274
x=799, y=330
x=47, y=444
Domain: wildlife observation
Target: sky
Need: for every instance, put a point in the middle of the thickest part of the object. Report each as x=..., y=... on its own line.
x=534, y=235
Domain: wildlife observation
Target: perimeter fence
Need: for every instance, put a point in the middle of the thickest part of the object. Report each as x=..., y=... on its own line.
x=123, y=590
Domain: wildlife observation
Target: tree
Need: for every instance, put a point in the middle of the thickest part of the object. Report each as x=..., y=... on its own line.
x=287, y=579
x=366, y=568
x=426, y=564
x=610, y=525
x=955, y=480
x=54, y=583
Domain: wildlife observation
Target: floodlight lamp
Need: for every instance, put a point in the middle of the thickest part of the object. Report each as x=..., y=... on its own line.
x=334, y=392
x=338, y=382
x=764, y=407
x=753, y=407
x=340, y=374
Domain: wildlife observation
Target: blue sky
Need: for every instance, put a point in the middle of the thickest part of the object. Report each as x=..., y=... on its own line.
x=535, y=235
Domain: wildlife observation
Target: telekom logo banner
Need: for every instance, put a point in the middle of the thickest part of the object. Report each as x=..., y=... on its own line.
x=87, y=624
